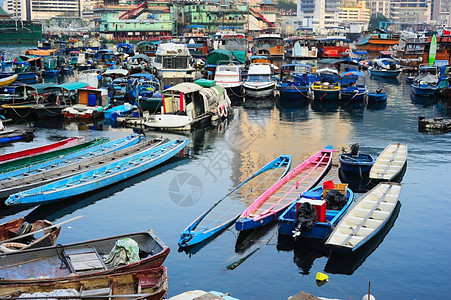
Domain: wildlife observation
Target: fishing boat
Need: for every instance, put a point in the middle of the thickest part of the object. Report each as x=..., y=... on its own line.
x=294, y=84
x=224, y=212
x=353, y=87
x=377, y=97
x=269, y=44
x=316, y=213
x=377, y=40
x=9, y=136
x=58, y=98
x=187, y=106
x=269, y=205
x=385, y=66
x=228, y=39
x=356, y=163
x=229, y=76
x=35, y=159
x=118, y=111
x=426, y=84
x=100, y=177
x=17, y=235
x=172, y=64
x=259, y=84
x=67, y=158
x=7, y=80
x=365, y=219
x=326, y=86
x=76, y=261
x=41, y=149
x=91, y=104
x=390, y=164
x=150, y=284
x=54, y=172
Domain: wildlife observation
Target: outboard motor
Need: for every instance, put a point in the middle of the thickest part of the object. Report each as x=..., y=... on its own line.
x=305, y=220
x=355, y=149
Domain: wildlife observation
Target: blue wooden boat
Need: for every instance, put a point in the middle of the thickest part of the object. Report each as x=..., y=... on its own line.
x=422, y=88
x=118, y=111
x=68, y=158
x=377, y=97
x=326, y=86
x=224, y=212
x=358, y=165
x=355, y=163
x=353, y=87
x=26, y=181
x=15, y=135
x=321, y=228
x=270, y=204
x=294, y=82
x=384, y=66
x=100, y=177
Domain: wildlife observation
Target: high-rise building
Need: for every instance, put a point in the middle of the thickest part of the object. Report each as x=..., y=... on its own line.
x=318, y=14
x=43, y=9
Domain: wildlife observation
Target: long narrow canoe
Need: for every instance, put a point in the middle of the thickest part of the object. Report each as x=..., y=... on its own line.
x=31, y=180
x=365, y=219
x=150, y=284
x=36, y=159
x=74, y=157
x=224, y=212
x=320, y=229
x=82, y=259
x=42, y=149
x=100, y=177
x=390, y=163
x=16, y=135
x=269, y=205
x=18, y=227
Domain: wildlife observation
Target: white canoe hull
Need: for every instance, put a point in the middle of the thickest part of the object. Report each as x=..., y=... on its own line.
x=389, y=163
x=366, y=218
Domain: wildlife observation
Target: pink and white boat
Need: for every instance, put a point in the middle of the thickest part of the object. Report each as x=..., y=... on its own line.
x=268, y=206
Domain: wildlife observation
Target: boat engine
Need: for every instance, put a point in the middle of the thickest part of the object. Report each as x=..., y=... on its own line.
x=306, y=218
x=355, y=149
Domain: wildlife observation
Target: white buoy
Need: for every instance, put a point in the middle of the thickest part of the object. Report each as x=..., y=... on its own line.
x=370, y=297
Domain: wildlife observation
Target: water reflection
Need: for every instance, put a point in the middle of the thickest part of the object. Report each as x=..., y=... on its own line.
x=258, y=103
x=293, y=110
x=377, y=105
x=324, y=106
x=347, y=263
x=444, y=107
x=352, y=111
x=423, y=101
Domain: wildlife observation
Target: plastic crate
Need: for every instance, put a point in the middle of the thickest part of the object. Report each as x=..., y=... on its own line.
x=338, y=186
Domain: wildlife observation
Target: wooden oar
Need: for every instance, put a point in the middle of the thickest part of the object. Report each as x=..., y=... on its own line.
x=40, y=230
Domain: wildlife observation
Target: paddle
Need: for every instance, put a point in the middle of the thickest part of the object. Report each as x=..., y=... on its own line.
x=40, y=230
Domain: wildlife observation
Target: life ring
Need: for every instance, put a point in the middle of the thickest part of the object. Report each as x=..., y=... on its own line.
x=11, y=247
x=429, y=38
x=314, y=52
x=445, y=39
x=225, y=111
x=220, y=111
x=348, y=50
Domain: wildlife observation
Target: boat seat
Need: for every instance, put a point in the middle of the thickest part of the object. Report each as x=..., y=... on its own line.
x=84, y=260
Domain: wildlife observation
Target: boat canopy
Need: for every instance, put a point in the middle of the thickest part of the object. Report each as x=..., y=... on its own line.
x=120, y=72
x=70, y=86
x=146, y=76
x=219, y=56
x=185, y=87
x=140, y=56
x=327, y=71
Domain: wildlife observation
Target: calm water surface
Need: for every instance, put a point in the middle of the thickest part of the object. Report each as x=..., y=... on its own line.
x=411, y=261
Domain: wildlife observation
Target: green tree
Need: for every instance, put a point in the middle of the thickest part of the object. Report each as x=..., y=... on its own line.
x=376, y=19
x=286, y=5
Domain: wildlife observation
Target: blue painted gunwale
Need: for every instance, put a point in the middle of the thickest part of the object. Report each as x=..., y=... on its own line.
x=100, y=177
x=190, y=237
x=428, y=90
x=76, y=156
x=386, y=73
x=320, y=230
x=121, y=110
x=358, y=165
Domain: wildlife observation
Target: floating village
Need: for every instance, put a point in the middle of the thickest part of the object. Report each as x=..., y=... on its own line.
x=160, y=71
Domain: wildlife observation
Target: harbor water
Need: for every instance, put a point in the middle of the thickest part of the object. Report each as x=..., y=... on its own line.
x=410, y=261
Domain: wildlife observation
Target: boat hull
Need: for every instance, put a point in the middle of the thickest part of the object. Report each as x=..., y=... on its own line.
x=256, y=92
x=385, y=73
x=358, y=165
x=426, y=91
x=323, y=95
x=293, y=94
x=377, y=97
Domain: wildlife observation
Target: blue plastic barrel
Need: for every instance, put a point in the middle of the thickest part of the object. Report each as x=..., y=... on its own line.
x=92, y=100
